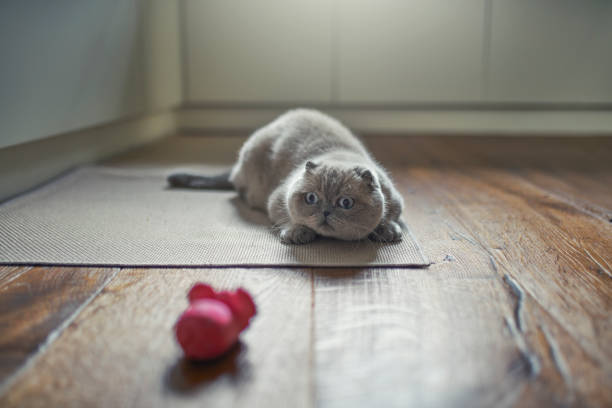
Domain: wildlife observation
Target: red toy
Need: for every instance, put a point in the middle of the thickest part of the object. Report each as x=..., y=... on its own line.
x=211, y=324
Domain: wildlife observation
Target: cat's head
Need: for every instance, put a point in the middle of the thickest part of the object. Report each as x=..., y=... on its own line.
x=334, y=200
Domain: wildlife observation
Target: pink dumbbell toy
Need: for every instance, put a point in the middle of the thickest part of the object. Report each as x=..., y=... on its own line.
x=213, y=321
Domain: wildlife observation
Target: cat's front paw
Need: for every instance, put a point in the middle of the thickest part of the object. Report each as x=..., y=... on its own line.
x=297, y=234
x=387, y=231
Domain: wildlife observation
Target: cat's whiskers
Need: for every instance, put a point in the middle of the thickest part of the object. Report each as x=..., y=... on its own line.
x=342, y=224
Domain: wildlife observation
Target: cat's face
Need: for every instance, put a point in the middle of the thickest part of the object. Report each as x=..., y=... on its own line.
x=344, y=203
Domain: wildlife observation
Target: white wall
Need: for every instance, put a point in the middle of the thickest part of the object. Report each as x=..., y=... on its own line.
x=397, y=52
x=392, y=51
x=162, y=50
x=257, y=51
x=551, y=51
x=70, y=64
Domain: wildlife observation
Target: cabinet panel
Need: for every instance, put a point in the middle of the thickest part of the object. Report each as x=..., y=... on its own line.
x=258, y=51
x=551, y=51
x=68, y=64
x=394, y=51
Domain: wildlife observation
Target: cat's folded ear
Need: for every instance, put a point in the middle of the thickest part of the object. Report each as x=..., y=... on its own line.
x=365, y=174
x=310, y=166
x=367, y=177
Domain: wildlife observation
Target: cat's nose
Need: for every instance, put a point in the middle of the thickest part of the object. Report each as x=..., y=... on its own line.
x=326, y=213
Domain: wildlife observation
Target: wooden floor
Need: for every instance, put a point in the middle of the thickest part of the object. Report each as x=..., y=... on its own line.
x=514, y=311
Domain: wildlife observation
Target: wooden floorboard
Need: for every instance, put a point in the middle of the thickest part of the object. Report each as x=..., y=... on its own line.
x=398, y=338
x=553, y=257
x=36, y=303
x=580, y=190
x=574, y=170
x=10, y=273
x=121, y=351
x=514, y=310
x=551, y=280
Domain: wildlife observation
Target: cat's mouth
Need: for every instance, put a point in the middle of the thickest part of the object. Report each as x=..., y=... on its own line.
x=324, y=224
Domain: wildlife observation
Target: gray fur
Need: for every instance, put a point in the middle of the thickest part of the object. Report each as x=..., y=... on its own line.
x=306, y=151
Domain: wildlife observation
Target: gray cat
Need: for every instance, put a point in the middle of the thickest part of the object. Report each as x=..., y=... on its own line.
x=313, y=177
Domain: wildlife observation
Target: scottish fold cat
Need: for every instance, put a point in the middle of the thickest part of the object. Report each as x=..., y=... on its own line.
x=313, y=177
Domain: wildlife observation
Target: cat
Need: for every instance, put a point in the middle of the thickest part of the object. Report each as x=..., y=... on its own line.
x=313, y=177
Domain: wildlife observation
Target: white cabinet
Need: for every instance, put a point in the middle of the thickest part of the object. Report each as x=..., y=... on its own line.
x=68, y=65
x=390, y=53
x=551, y=51
x=263, y=51
x=409, y=51
x=73, y=64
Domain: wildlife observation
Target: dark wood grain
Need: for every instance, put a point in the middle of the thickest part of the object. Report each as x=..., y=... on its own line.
x=398, y=338
x=10, y=273
x=121, y=352
x=36, y=303
x=553, y=257
x=574, y=170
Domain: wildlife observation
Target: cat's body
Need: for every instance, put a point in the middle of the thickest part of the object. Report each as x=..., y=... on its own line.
x=313, y=177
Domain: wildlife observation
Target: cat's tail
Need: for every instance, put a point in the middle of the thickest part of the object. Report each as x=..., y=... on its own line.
x=217, y=182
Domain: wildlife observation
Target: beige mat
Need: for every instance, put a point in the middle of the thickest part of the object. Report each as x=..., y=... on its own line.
x=127, y=217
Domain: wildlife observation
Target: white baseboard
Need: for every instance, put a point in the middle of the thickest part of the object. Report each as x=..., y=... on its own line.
x=502, y=122
x=27, y=165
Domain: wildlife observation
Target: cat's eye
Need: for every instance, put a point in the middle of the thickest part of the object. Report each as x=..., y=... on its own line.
x=346, y=202
x=311, y=198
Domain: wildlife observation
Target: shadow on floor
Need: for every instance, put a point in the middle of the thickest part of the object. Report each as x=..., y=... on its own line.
x=188, y=377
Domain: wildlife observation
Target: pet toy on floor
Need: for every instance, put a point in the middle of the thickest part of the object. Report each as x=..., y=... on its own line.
x=213, y=321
